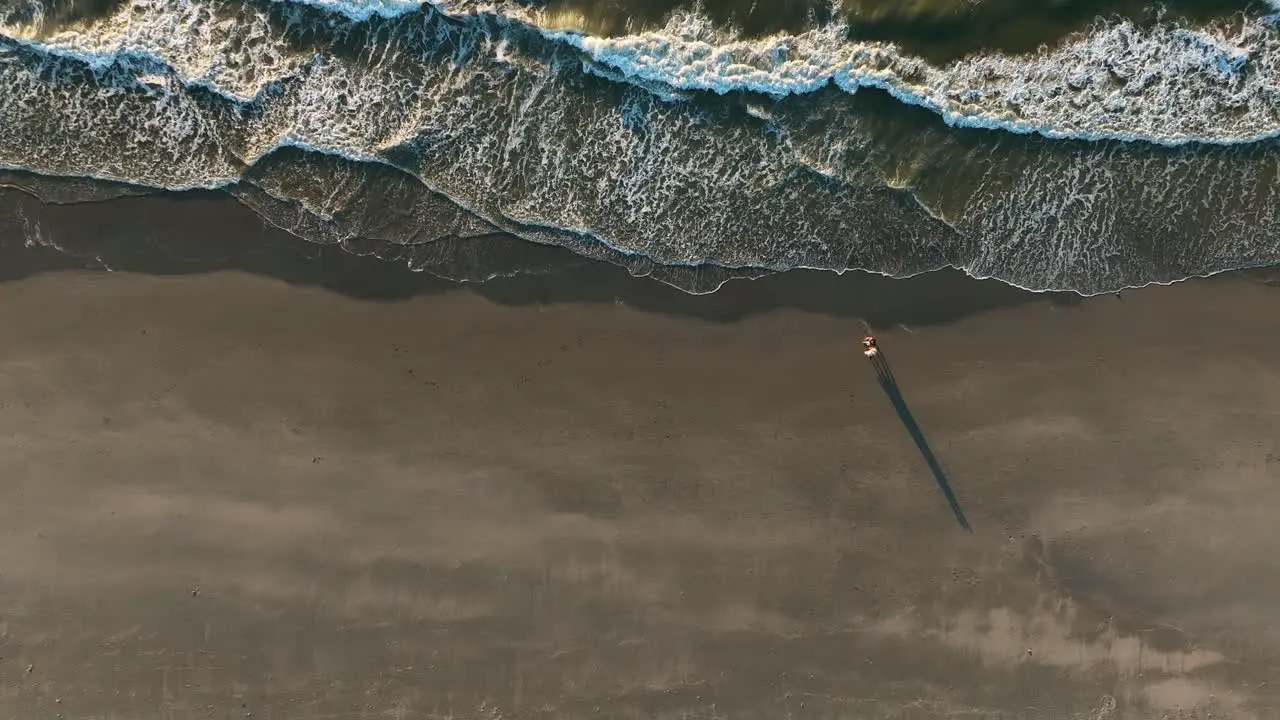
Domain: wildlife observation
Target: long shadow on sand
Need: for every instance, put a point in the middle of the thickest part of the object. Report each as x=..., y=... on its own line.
x=884, y=376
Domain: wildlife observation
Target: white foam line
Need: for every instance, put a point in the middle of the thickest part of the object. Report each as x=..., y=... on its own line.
x=131, y=59
x=1186, y=66
x=1169, y=86
x=1209, y=55
x=1182, y=86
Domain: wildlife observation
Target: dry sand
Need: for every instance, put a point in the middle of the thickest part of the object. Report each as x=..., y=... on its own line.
x=224, y=494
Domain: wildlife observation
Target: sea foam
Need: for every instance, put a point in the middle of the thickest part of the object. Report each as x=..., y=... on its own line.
x=642, y=149
x=1168, y=85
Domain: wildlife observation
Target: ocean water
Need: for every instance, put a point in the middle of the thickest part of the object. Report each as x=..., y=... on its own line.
x=1066, y=145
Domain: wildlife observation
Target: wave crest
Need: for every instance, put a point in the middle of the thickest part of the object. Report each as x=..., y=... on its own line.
x=1169, y=85
x=504, y=128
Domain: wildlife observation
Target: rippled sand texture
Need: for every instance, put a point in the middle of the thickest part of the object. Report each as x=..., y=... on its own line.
x=226, y=495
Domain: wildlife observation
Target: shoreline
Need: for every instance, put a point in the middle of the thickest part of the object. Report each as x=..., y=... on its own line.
x=247, y=484
x=140, y=234
x=522, y=269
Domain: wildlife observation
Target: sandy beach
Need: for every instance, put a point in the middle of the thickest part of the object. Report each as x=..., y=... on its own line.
x=362, y=493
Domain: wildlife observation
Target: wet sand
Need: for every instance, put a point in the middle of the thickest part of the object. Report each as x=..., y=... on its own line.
x=224, y=494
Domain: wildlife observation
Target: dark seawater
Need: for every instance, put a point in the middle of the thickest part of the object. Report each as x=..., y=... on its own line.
x=1083, y=146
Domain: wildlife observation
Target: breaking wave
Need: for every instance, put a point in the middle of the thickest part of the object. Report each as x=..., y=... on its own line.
x=1168, y=85
x=1121, y=156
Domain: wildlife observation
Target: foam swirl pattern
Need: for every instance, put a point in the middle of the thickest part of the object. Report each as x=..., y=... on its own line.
x=1123, y=156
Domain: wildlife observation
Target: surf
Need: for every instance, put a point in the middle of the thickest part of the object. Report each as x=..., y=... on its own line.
x=521, y=129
